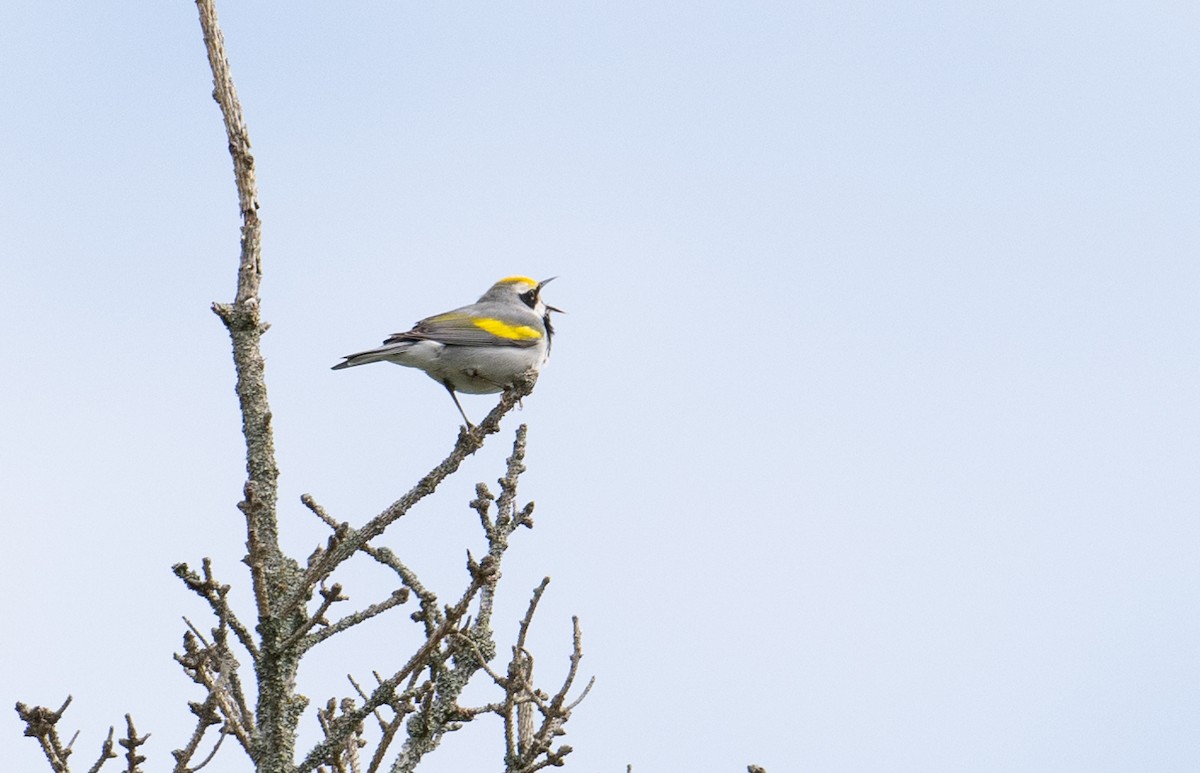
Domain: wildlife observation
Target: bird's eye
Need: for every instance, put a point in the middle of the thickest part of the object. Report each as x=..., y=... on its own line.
x=530, y=298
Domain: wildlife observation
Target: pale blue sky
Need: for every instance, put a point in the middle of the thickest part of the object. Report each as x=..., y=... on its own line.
x=869, y=442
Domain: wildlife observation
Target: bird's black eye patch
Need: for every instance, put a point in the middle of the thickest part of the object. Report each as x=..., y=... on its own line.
x=530, y=297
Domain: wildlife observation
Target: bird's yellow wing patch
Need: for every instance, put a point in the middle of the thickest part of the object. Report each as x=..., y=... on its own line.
x=502, y=329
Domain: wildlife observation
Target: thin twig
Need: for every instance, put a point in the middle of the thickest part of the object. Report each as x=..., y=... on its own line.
x=398, y=597
x=362, y=694
x=106, y=753
x=196, y=663
x=131, y=742
x=42, y=723
x=216, y=747
x=526, y=621
x=430, y=613
x=329, y=597
x=216, y=594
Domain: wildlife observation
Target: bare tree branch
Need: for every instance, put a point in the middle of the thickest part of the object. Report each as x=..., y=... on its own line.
x=206, y=716
x=469, y=441
x=242, y=320
x=130, y=743
x=408, y=578
x=42, y=723
x=216, y=595
x=386, y=689
x=213, y=666
x=329, y=597
x=398, y=597
x=106, y=753
x=212, y=754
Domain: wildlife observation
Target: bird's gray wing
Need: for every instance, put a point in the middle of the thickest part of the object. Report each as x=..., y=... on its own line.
x=456, y=328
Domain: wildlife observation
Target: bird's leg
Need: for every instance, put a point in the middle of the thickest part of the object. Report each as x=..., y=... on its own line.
x=457, y=404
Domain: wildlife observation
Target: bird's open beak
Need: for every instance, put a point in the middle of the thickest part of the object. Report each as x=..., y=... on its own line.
x=542, y=284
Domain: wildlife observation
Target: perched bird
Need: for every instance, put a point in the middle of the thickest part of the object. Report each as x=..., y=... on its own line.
x=478, y=349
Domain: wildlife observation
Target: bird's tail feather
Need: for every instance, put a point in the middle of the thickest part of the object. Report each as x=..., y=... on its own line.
x=369, y=356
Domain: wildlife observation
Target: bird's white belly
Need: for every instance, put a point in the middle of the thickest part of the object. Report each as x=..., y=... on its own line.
x=473, y=370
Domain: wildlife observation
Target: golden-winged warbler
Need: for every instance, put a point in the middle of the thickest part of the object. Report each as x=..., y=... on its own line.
x=478, y=349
